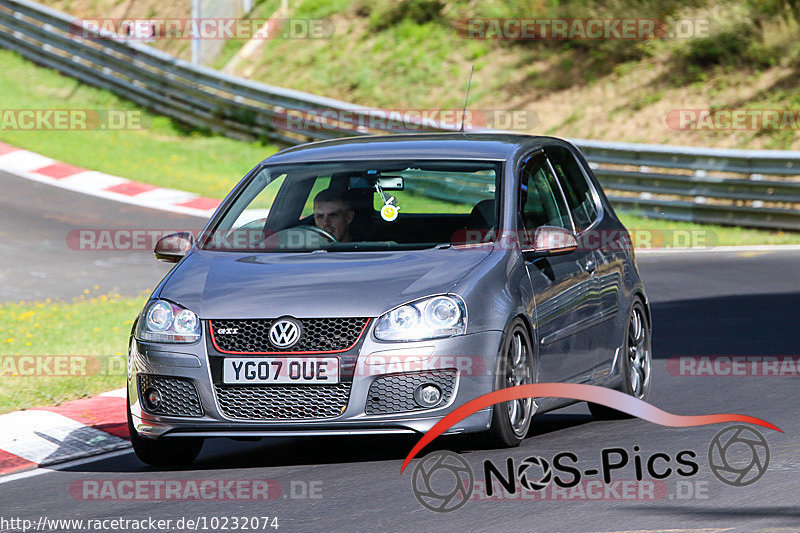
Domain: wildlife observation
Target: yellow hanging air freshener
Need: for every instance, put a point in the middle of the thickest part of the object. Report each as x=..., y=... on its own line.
x=389, y=212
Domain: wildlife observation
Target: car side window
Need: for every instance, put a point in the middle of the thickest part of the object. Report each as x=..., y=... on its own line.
x=576, y=188
x=541, y=201
x=322, y=182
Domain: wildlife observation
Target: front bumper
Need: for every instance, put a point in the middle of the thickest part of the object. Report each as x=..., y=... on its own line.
x=472, y=356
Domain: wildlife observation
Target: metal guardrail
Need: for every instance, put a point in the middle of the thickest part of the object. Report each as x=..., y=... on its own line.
x=753, y=188
x=680, y=183
x=196, y=95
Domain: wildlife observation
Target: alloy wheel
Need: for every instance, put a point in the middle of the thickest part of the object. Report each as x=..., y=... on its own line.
x=518, y=373
x=638, y=350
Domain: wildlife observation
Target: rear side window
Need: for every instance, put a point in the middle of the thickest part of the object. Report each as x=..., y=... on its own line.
x=576, y=189
x=541, y=201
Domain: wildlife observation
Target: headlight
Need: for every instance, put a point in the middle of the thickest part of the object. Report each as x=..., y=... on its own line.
x=163, y=321
x=439, y=316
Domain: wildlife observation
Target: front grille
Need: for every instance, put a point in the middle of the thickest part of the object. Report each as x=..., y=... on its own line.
x=318, y=335
x=178, y=395
x=283, y=402
x=394, y=393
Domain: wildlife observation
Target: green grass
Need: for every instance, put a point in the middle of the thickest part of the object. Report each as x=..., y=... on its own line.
x=400, y=73
x=162, y=152
x=679, y=234
x=94, y=325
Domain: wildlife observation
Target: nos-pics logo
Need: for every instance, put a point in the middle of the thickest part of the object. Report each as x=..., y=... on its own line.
x=443, y=481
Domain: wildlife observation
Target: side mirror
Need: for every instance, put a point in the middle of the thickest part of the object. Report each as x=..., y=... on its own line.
x=550, y=240
x=172, y=248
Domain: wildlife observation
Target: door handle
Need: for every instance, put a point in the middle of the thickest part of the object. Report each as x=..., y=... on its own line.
x=591, y=266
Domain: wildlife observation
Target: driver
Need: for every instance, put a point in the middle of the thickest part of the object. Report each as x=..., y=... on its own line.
x=333, y=213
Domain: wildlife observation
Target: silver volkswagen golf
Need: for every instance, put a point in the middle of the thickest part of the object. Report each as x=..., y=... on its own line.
x=372, y=285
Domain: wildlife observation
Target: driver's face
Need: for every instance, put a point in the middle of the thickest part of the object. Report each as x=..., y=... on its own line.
x=334, y=218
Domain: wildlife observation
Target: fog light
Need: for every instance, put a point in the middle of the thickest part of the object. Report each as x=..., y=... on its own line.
x=152, y=398
x=427, y=395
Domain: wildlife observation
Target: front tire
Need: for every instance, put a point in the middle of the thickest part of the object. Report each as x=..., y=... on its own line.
x=164, y=452
x=511, y=420
x=637, y=361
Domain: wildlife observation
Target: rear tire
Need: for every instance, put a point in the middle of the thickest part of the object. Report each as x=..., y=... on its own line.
x=511, y=420
x=637, y=357
x=178, y=451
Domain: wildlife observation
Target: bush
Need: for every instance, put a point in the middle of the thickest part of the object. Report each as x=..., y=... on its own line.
x=720, y=48
x=740, y=44
x=385, y=14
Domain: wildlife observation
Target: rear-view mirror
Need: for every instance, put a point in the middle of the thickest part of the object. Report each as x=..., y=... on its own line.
x=387, y=183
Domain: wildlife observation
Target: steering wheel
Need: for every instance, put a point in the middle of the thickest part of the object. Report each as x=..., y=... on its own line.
x=319, y=231
x=305, y=236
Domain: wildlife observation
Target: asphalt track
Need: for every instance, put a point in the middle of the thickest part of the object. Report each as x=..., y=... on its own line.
x=715, y=303
x=39, y=260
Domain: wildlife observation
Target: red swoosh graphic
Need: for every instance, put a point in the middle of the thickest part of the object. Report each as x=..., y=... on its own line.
x=590, y=393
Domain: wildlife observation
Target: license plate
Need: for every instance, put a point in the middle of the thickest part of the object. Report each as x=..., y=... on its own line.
x=280, y=370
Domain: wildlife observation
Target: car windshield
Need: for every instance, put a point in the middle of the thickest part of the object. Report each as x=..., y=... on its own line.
x=361, y=206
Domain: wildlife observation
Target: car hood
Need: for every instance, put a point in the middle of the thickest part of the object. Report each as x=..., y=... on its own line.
x=334, y=284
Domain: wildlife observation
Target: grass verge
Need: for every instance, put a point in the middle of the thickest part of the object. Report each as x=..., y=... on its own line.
x=161, y=152
x=673, y=234
x=78, y=348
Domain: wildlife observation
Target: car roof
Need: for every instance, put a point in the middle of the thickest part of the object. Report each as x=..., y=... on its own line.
x=496, y=146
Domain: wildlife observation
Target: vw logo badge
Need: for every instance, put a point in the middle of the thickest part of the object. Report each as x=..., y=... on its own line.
x=284, y=332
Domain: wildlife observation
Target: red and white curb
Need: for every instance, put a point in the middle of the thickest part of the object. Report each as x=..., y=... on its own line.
x=36, y=167
x=46, y=436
